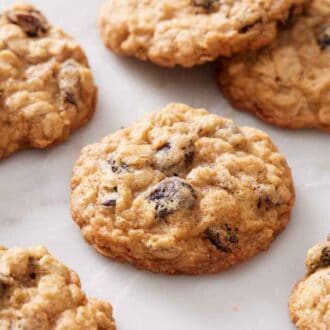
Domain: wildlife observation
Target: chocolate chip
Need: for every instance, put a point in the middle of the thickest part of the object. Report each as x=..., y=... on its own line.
x=69, y=82
x=223, y=238
x=248, y=27
x=32, y=22
x=324, y=38
x=171, y=195
x=207, y=4
x=175, y=156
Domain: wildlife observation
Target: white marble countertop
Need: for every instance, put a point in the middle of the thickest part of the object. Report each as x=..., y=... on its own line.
x=34, y=200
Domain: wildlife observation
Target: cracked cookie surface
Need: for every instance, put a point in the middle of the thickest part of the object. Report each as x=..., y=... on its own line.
x=182, y=191
x=286, y=84
x=190, y=32
x=309, y=303
x=46, y=86
x=38, y=292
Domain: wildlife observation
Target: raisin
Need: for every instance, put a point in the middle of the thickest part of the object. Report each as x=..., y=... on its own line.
x=266, y=203
x=171, y=195
x=213, y=237
x=117, y=166
x=232, y=234
x=110, y=200
x=6, y=283
x=33, y=276
x=69, y=97
x=294, y=12
x=324, y=38
x=32, y=22
x=223, y=238
x=175, y=156
x=207, y=4
x=3, y=285
x=165, y=148
x=3, y=288
x=69, y=82
x=248, y=27
x=189, y=156
x=31, y=270
x=325, y=257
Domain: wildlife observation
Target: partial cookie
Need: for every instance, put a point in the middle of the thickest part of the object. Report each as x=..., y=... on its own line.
x=190, y=32
x=46, y=86
x=182, y=191
x=39, y=292
x=309, y=303
x=286, y=84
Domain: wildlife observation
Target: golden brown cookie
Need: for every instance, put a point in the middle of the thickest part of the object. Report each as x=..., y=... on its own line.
x=182, y=191
x=309, y=303
x=190, y=32
x=286, y=84
x=46, y=86
x=39, y=293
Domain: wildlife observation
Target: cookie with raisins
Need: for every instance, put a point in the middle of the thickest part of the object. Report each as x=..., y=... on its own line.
x=39, y=292
x=191, y=32
x=309, y=303
x=182, y=191
x=46, y=87
x=287, y=83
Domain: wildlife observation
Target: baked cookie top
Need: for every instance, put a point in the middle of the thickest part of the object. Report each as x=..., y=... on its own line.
x=190, y=32
x=182, y=191
x=38, y=292
x=46, y=86
x=287, y=83
x=309, y=303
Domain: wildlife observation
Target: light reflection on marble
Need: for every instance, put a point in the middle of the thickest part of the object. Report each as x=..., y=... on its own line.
x=34, y=200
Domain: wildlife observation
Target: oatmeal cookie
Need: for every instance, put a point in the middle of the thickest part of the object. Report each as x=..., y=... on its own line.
x=46, y=86
x=182, y=191
x=190, y=32
x=39, y=292
x=309, y=303
x=286, y=84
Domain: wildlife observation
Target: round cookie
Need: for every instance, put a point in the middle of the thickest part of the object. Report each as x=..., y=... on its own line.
x=190, y=32
x=182, y=191
x=38, y=292
x=286, y=84
x=46, y=86
x=309, y=303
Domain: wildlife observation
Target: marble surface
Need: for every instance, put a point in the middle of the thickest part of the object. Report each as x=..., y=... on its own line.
x=34, y=200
